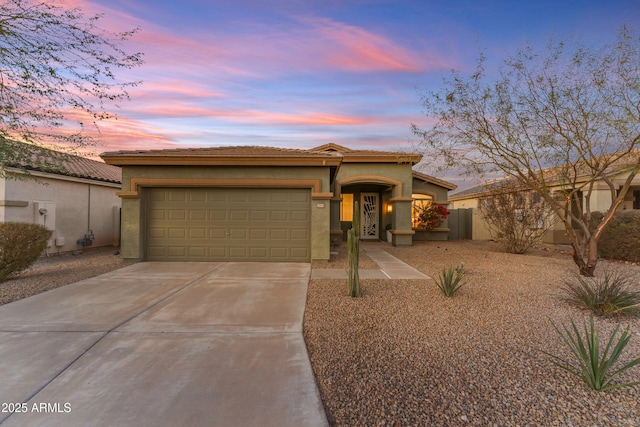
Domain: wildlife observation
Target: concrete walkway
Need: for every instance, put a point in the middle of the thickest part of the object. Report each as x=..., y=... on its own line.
x=162, y=344
x=390, y=267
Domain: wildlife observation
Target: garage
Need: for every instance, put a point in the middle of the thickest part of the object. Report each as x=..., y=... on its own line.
x=227, y=224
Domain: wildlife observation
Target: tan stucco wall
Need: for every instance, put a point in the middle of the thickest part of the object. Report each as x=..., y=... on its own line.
x=600, y=201
x=74, y=206
x=133, y=208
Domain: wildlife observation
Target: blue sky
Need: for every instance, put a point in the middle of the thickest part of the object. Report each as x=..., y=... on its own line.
x=301, y=73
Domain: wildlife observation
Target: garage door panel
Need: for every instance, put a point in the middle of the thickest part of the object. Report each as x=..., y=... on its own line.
x=157, y=233
x=177, y=214
x=259, y=215
x=218, y=215
x=279, y=216
x=258, y=254
x=300, y=234
x=177, y=233
x=300, y=197
x=217, y=224
x=236, y=215
x=302, y=216
x=197, y=214
x=197, y=233
x=258, y=234
x=238, y=253
x=177, y=251
x=197, y=252
x=177, y=196
x=218, y=233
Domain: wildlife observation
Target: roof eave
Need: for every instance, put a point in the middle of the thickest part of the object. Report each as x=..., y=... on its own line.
x=128, y=160
x=398, y=158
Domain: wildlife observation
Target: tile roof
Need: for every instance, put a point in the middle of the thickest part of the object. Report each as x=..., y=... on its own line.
x=56, y=162
x=434, y=180
x=228, y=151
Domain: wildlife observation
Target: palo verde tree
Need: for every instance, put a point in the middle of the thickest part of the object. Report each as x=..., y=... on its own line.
x=561, y=122
x=57, y=76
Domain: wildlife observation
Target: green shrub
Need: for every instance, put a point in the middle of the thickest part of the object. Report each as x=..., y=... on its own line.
x=449, y=280
x=21, y=244
x=592, y=367
x=609, y=294
x=621, y=237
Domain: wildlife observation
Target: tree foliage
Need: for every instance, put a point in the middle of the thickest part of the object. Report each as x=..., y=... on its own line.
x=57, y=75
x=559, y=121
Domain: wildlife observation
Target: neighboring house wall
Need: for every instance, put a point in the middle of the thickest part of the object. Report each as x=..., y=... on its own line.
x=479, y=227
x=74, y=206
x=600, y=201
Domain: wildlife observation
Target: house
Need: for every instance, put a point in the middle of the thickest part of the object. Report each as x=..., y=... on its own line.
x=600, y=200
x=263, y=203
x=73, y=196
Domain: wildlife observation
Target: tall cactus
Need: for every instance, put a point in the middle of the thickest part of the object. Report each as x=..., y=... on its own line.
x=353, y=242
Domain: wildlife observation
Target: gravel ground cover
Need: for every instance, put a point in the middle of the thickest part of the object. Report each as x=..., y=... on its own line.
x=404, y=355
x=50, y=272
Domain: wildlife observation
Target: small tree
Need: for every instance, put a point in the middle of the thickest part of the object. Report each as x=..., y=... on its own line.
x=560, y=123
x=516, y=217
x=58, y=76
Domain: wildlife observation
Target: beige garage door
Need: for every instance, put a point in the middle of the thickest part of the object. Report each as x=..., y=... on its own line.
x=228, y=224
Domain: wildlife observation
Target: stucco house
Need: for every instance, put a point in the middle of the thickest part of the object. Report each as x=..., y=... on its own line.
x=600, y=200
x=263, y=203
x=74, y=197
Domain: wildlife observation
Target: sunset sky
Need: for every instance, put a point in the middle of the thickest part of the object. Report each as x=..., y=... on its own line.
x=301, y=73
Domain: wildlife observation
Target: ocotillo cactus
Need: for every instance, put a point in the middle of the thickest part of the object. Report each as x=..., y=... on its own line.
x=353, y=242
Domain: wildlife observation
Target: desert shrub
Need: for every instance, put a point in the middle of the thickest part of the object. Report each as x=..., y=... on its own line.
x=594, y=368
x=621, y=237
x=449, y=280
x=609, y=294
x=21, y=244
x=516, y=217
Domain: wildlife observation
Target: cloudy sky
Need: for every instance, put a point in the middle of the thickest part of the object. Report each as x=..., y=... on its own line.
x=301, y=73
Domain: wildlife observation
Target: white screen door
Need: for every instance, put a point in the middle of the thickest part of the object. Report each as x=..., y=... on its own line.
x=369, y=219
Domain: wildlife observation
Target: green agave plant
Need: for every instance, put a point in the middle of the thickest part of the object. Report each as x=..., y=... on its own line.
x=449, y=281
x=593, y=368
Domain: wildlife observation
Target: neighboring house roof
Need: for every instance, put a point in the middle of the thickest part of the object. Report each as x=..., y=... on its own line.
x=56, y=162
x=428, y=178
x=479, y=189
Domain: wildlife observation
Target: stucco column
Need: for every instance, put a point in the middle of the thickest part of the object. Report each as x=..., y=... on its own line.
x=320, y=223
x=131, y=246
x=402, y=227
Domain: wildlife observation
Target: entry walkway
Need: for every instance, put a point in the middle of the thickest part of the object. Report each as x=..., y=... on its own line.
x=390, y=267
x=162, y=344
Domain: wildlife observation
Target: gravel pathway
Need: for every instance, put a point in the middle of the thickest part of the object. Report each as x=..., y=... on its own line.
x=405, y=355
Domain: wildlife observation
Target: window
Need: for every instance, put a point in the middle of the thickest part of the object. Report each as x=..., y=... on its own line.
x=346, y=207
x=419, y=201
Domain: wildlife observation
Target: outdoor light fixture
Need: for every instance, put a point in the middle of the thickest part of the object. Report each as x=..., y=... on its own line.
x=389, y=208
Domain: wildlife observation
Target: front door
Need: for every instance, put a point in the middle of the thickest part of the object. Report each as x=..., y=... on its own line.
x=369, y=219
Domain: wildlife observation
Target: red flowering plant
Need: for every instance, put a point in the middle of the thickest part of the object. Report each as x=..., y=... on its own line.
x=431, y=216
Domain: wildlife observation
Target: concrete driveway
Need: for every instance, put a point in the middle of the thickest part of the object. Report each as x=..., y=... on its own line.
x=162, y=344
